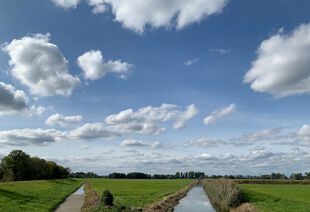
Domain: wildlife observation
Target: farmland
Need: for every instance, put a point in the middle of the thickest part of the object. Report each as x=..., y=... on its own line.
x=138, y=193
x=275, y=197
x=35, y=196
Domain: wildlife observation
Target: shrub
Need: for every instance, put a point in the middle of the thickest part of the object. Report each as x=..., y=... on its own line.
x=223, y=194
x=107, y=198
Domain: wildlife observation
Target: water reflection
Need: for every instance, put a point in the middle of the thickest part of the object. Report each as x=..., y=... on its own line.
x=196, y=200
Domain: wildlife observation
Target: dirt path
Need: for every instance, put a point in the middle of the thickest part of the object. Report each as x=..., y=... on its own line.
x=73, y=203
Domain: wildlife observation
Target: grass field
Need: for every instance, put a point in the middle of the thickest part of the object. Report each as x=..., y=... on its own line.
x=278, y=197
x=35, y=196
x=138, y=193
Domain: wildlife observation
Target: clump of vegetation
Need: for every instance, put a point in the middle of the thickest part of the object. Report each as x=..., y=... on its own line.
x=223, y=194
x=18, y=166
x=107, y=198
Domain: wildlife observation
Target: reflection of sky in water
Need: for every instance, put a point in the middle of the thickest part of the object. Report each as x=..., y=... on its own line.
x=196, y=200
x=80, y=191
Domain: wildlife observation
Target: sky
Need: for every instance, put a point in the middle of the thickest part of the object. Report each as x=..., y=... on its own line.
x=157, y=86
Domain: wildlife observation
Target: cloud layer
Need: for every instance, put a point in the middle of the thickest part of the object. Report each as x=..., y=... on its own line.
x=282, y=66
x=40, y=66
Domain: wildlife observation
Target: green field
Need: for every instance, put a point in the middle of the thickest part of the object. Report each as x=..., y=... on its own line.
x=271, y=197
x=35, y=196
x=138, y=193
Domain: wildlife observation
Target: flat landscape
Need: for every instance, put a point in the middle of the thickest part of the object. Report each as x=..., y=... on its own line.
x=278, y=197
x=35, y=196
x=138, y=193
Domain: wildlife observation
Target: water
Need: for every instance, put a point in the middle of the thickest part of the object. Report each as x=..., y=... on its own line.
x=196, y=200
x=80, y=191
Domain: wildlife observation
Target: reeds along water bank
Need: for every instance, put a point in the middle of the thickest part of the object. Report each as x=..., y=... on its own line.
x=225, y=195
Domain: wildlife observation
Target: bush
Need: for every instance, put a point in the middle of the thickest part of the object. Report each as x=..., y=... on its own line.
x=107, y=198
x=223, y=194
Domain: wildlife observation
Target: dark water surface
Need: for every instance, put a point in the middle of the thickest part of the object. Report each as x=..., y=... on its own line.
x=196, y=200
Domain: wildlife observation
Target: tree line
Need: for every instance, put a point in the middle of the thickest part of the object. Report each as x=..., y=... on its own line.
x=20, y=166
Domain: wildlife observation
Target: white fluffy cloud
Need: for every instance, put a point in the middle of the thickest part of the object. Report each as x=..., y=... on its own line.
x=205, y=142
x=304, y=133
x=67, y=4
x=147, y=120
x=40, y=66
x=139, y=143
x=282, y=67
x=218, y=114
x=91, y=131
x=94, y=66
x=12, y=100
x=139, y=14
x=63, y=121
x=22, y=137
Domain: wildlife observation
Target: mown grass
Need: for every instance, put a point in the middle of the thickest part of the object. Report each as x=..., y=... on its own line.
x=137, y=193
x=35, y=196
x=278, y=197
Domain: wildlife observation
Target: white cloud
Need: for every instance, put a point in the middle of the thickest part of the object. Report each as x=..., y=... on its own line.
x=137, y=15
x=139, y=143
x=216, y=115
x=304, y=133
x=91, y=131
x=98, y=6
x=282, y=66
x=221, y=51
x=12, y=100
x=23, y=137
x=67, y=4
x=40, y=66
x=147, y=120
x=63, y=121
x=36, y=110
x=94, y=66
x=205, y=142
x=183, y=117
x=191, y=62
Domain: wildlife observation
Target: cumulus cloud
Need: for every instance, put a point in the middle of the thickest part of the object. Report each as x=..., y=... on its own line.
x=63, y=121
x=183, y=117
x=304, y=133
x=91, y=131
x=95, y=66
x=23, y=137
x=36, y=110
x=205, y=142
x=139, y=143
x=12, y=100
x=67, y=4
x=282, y=66
x=136, y=15
x=218, y=114
x=40, y=66
x=191, y=62
x=147, y=120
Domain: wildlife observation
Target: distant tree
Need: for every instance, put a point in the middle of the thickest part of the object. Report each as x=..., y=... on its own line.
x=297, y=176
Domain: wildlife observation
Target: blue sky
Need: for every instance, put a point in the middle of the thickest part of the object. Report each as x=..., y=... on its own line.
x=97, y=63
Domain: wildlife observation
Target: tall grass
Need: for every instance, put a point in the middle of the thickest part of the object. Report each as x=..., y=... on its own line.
x=223, y=194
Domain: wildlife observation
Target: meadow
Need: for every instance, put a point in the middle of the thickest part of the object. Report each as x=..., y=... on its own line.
x=276, y=197
x=138, y=193
x=35, y=196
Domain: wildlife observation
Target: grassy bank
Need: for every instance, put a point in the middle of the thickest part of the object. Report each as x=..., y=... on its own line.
x=223, y=194
x=278, y=197
x=137, y=193
x=35, y=196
